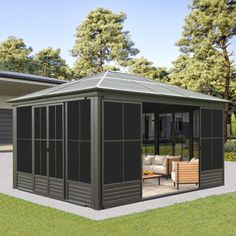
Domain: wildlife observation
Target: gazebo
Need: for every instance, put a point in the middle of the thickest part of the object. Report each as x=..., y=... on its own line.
x=82, y=141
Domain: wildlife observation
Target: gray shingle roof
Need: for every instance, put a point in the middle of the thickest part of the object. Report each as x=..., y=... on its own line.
x=117, y=81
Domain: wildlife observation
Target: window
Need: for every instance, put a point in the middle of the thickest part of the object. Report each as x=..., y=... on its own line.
x=24, y=139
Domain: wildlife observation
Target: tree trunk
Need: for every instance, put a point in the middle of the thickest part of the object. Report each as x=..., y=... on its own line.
x=101, y=61
x=227, y=86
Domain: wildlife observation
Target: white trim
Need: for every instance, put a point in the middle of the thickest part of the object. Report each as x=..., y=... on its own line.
x=100, y=81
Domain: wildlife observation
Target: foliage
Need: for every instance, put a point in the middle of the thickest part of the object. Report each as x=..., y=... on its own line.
x=15, y=55
x=205, y=41
x=230, y=146
x=19, y=217
x=230, y=156
x=49, y=63
x=233, y=125
x=141, y=66
x=101, y=40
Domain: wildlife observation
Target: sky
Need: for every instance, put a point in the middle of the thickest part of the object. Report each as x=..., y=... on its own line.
x=154, y=25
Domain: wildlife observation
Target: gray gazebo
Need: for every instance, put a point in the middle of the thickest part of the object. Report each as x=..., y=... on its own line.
x=81, y=141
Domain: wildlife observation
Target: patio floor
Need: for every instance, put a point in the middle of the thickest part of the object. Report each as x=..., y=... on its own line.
x=6, y=188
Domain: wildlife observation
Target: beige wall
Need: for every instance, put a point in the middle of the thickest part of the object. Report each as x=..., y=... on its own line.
x=3, y=102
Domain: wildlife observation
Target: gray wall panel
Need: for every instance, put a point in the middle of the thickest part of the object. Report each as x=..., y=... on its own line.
x=41, y=184
x=122, y=193
x=56, y=188
x=25, y=181
x=79, y=193
x=211, y=178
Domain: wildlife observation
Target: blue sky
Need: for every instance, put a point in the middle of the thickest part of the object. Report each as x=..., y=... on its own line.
x=155, y=26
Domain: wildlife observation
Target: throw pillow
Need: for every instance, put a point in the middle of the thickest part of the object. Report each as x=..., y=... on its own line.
x=159, y=160
x=148, y=160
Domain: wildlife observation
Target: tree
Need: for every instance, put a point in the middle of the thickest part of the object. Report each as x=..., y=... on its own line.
x=141, y=66
x=15, y=55
x=233, y=125
x=49, y=63
x=100, y=40
x=207, y=33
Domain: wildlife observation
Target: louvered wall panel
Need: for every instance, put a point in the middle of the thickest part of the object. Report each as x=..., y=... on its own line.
x=211, y=178
x=79, y=193
x=56, y=188
x=121, y=193
x=41, y=184
x=24, y=181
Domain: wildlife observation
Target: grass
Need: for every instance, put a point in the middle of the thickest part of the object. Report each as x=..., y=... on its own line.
x=214, y=215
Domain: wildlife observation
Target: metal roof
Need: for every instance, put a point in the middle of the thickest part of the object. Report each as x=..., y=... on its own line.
x=30, y=77
x=117, y=81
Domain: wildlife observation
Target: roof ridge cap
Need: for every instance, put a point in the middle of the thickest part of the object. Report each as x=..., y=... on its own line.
x=100, y=81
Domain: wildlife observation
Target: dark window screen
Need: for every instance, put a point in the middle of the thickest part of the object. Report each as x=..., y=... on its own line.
x=206, y=154
x=52, y=123
x=59, y=122
x=85, y=162
x=73, y=161
x=113, y=121
x=206, y=123
x=132, y=161
x=43, y=158
x=73, y=120
x=217, y=123
x=79, y=147
x=43, y=123
x=85, y=119
x=24, y=122
x=37, y=123
x=217, y=152
x=52, y=160
x=113, y=163
x=24, y=156
x=132, y=122
x=59, y=159
x=37, y=157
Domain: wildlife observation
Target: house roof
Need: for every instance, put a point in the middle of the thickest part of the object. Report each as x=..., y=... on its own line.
x=117, y=81
x=30, y=77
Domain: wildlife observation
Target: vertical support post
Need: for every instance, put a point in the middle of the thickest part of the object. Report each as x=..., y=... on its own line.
x=173, y=138
x=191, y=135
x=96, y=179
x=33, y=157
x=157, y=132
x=14, y=147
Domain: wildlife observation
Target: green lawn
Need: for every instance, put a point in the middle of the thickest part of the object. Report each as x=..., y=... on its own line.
x=210, y=216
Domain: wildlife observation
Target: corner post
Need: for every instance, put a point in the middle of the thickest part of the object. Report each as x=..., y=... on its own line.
x=14, y=148
x=96, y=174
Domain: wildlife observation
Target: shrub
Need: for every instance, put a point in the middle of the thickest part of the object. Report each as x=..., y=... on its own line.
x=230, y=156
x=230, y=146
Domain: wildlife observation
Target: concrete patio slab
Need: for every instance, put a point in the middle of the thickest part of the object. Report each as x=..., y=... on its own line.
x=6, y=188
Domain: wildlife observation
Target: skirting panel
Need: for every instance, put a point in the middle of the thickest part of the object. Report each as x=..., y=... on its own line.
x=79, y=193
x=122, y=193
x=211, y=178
x=25, y=181
x=56, y=188
x=41, y=184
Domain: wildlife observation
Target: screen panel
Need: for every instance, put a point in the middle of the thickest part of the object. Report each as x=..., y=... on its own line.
x=43, y=123
x=132, y=121
x=113, y=118
x=59, y=122
x=217, y=152
x=52, y=124
x=73, y=112
x=206, y=154
x=52, y=159
x=217, y=123
x=113, y=162
x=37, y=157
x=59, y=159
x=37, y=122
x=43, y=158
x=24, y=156
x=85, y=120
x=206, y=123
x=85, y=162
x=132, y=161
x=24, y=122
x=73, y=161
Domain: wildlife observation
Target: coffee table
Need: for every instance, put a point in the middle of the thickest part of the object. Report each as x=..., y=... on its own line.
x=152, y=176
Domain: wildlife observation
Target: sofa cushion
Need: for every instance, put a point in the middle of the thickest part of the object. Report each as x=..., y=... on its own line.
x=173, y=157
x=173, y=176
x=158, y=169
x=147, y=168
x=147, y=160
x=193, y=160
x=159, y=160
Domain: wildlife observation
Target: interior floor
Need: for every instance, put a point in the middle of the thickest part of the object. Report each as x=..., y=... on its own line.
x=152, y=188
